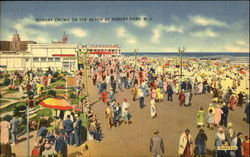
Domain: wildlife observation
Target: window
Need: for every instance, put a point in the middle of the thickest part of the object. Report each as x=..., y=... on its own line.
x=27, y=59
x=43, y=59
x=50, y=59
x=36, y=59
x=57, y=59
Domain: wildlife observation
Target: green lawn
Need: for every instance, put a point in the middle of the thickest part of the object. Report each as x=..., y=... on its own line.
x=11, y=107
x=3, y=101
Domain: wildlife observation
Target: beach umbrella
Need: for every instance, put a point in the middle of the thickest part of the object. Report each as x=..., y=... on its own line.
x=242, y=72
x=56, y=103
x=101, y=53
x=167, y=64
x=203, y=75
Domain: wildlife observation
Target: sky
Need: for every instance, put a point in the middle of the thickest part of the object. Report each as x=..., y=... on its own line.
x=159, y=26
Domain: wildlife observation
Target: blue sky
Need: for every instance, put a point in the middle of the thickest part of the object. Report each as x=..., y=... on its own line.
x=207, y=26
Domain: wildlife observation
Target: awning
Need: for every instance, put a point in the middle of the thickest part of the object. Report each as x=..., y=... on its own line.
x=101, y=53
x=63, y=55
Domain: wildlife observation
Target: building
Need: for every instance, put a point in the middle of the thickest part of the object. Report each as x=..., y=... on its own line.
x=15, y=45
x=61, y=56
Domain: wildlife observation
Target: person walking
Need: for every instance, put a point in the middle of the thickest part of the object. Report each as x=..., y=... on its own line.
x=108, y=114
x=156, y=145
x=141, y=97
x=200, y=118
x=13, y=129
x=152, y=108
x=200, y=142
x=68, y=127
x=187, y=95
x=238, y=151
x=230, y=132
x=170, y=93
x=247, y=112
x=219, y=137
x=4, y=128
x=104, y=96
x=217, y=115
x=232, y=101
x=181, y=98
x=60, y=145
x=185, y=144
x=210, y=119
x=77, y=129
x=224, y=115
x=246, y=147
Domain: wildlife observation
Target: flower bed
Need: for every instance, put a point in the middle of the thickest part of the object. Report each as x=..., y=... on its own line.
x=60, y=87
x=13, y=88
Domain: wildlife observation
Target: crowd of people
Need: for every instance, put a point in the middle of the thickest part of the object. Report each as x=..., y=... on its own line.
x=111, y=75
x=147, y=78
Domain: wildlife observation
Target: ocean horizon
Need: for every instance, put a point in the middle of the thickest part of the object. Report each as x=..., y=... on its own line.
x=238, y=57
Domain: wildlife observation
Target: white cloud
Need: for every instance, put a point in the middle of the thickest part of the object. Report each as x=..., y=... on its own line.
x=125, y=35
x=159, y=29
x=30, y=20
x=241, y=43
x=231, y=48
x=204, y=34
x=205, y=21
x=142, y=22
x=78, y=32
x=121, y=32
x=23, y=27
x=131, y=41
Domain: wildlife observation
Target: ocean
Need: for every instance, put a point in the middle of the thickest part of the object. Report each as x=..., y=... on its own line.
x=236, y=57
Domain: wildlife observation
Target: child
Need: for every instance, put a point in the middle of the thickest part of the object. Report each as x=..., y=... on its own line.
x=35, y=150
x=126, y=116
x=200, y=118
x=152, y=108
x=210, y=119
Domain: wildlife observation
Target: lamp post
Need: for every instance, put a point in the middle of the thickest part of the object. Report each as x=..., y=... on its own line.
x=181, y=51
x=27, y=135
x=82, y=55
x=135, y=54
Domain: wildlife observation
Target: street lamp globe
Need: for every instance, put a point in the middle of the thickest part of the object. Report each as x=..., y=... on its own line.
x=79, y=46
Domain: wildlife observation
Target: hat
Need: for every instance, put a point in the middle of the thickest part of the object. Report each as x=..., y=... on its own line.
x=156, y=132
x=221, y=129
x=224, y=104
x=230, y=124
x=36, y=145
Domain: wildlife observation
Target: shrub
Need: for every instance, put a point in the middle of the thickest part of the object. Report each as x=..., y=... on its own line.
x=55, y=74
x=30, y=93
x=52, y=93
x=6, y=81
x=7, y=117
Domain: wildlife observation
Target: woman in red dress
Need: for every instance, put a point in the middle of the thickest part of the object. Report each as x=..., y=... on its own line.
x=181, y=98
x=104, y=97
x=232, y=102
